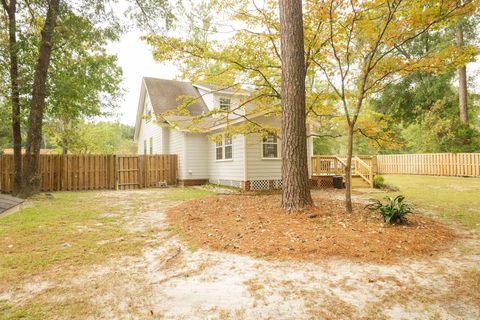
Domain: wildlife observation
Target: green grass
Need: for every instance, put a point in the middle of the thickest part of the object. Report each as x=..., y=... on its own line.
x=68, y=229
x=451, y=198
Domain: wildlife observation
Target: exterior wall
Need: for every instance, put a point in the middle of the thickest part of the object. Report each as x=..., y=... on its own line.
x=268, y=169
x=228, y=172
x=147, y=131
x=256, y=167
x=196, y=156
x=177, y=146
x=165, y=140
x=150, y=129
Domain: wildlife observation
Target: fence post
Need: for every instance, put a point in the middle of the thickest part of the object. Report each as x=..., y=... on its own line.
x=115, y=169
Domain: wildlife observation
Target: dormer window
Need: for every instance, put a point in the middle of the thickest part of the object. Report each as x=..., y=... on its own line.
x=225, y=104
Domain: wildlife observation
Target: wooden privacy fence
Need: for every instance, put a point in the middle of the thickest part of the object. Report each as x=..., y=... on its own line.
x=437, y=164
x=96, y=172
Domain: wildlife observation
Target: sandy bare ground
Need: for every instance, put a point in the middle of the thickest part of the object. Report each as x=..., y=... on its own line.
x=170, y=281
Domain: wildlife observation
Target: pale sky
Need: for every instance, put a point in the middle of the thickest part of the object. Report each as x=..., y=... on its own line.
x=135, y=58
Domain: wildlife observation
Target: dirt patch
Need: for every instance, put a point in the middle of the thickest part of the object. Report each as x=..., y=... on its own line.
x=255, y=225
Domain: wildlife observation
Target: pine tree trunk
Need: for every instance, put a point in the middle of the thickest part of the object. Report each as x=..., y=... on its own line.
x=11, y=9
x=462, y=80
x=348, y=172
x=296, y=184
x=34, y=136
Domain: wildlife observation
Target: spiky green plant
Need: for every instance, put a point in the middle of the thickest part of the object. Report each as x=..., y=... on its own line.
x=393, y=210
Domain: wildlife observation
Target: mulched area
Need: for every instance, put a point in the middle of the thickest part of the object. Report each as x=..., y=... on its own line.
x=255, y=225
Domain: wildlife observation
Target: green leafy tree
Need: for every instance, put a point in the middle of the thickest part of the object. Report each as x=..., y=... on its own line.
x=83, y=137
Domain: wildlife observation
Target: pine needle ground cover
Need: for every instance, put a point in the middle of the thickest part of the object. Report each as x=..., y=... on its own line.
x=254, y=224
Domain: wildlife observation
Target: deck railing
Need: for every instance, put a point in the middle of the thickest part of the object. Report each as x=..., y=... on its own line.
x=334, y=165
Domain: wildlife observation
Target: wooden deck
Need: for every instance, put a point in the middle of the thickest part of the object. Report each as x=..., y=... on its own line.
x=362, y=168
x=8, y=203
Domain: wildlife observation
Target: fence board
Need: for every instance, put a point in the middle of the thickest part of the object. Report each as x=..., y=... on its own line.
x=436, y=164
x=95, y=172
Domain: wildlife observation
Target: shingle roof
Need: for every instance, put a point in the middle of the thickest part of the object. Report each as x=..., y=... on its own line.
x=190, y=123
x=222, y=88
x=165, y=95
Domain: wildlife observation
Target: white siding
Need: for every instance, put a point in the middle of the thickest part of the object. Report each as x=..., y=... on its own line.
x=267, y=169
x=196, y=156
x=177, y=146
x=232, y=170
x=258, y=168
x=149, y=129
x=165, y=140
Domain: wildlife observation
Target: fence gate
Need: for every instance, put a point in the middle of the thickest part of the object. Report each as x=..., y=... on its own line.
x=128, y=172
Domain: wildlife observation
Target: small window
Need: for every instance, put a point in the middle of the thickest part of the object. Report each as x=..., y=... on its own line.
x=224, y=148
x=228, y=147
x=270, y=147
x=225, y=104
x=219, y=150
x=145, y=146
x=151, y=145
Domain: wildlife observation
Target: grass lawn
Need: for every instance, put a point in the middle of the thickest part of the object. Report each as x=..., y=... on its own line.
x=451, y=198
x=72, y=229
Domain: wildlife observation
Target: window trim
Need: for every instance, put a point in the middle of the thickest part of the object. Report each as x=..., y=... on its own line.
x=278, y=157
x=219, y=145
x=222, y=146
x=151, y=145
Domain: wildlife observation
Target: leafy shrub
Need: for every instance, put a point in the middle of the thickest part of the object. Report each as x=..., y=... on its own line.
x=393, y=211
x=378, y=181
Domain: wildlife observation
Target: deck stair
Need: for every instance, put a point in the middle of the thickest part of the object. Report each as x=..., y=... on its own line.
x=335, y=165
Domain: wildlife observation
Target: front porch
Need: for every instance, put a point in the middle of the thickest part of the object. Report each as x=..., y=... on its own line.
x=325, y=167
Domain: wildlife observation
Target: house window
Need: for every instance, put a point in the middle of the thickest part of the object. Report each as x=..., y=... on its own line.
x=151, y=145
x=228, y=147
x=145, y=146
x=224, y=148
x=270, y=147
x=219, y=150
x=225, y=104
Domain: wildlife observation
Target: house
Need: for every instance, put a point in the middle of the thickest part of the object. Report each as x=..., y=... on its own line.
x=248, y=161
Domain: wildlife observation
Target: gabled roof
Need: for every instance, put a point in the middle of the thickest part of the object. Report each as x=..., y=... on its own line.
x=164, y=95
x=221, y=89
